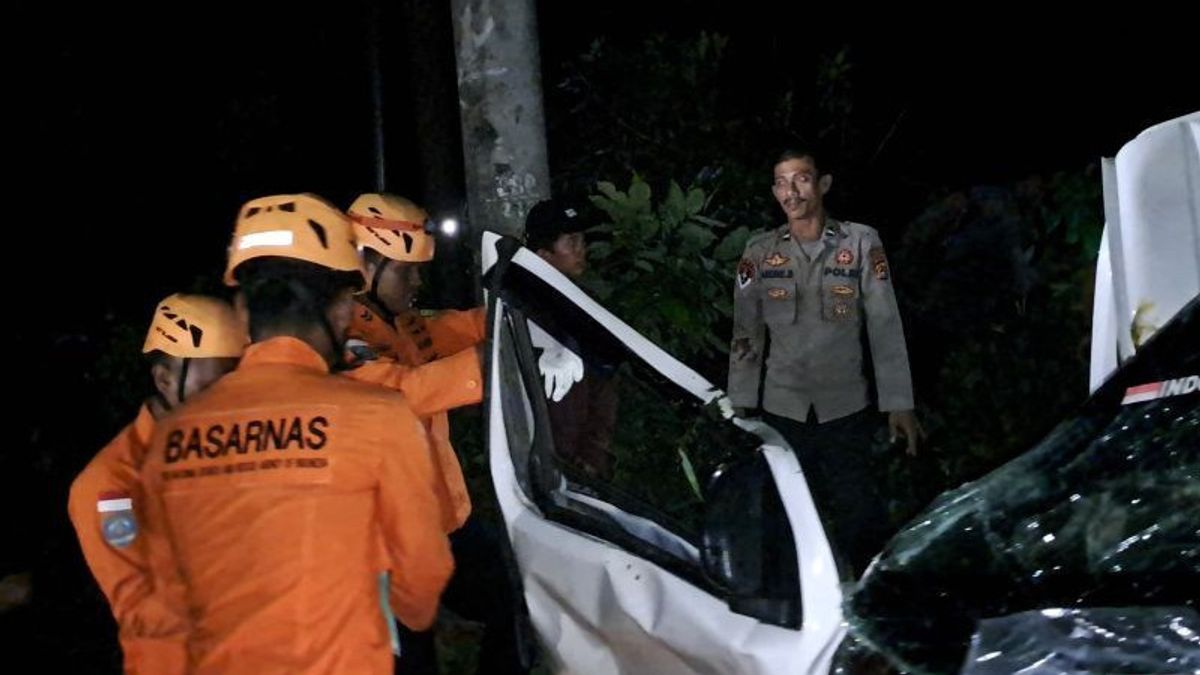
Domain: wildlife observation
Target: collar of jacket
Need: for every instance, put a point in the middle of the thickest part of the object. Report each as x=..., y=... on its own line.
x=289, y=350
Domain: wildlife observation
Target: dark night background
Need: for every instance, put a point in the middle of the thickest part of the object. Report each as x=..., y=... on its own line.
x=133, y=139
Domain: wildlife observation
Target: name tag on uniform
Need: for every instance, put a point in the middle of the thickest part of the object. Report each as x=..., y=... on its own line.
x=777, y=274
x=839, y=272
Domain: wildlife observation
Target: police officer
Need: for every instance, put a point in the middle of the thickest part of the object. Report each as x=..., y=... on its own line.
x=283, y=491
x=813, y=285
x=192, y=341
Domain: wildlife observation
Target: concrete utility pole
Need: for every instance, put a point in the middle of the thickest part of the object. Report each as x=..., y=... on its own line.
x=500, y=102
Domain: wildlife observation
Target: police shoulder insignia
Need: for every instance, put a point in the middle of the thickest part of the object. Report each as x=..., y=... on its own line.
x=746, y=272
x=879, y=264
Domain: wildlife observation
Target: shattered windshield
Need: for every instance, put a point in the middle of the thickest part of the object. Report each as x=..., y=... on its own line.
x=1104, y=512
x=1142, y=640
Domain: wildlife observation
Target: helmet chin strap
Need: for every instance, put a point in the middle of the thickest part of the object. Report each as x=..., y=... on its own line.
x=373, y=296
x=179, y=388
x=183, y=375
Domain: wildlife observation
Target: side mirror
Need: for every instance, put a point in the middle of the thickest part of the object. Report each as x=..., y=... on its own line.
x=747, y=548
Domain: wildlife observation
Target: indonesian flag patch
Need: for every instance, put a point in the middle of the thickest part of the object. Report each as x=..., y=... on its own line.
x=117, y=523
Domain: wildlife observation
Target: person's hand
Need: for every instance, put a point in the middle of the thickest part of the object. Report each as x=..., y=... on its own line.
x=903, y=423
x=561, y=369
x=726, y=407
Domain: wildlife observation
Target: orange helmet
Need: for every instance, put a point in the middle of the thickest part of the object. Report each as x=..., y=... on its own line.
x=195, y=327
x=301, y=227
x=394, y=226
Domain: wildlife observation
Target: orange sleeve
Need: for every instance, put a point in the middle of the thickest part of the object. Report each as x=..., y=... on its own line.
x=411, y=522
x=437, y=386
x=455, y=330
x=147, y=628
x=170, y=590
x=121, y=573
x=165, y=652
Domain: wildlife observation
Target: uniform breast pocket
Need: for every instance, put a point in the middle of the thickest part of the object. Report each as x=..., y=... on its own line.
x=779, y=302
x=839, y=301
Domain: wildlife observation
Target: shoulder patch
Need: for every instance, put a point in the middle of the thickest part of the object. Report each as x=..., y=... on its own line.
x=746, y=272
x=118, y=525
x=879, y=264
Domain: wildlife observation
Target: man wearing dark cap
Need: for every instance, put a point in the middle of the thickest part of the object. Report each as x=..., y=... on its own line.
x=554, y=231
x=582, y=418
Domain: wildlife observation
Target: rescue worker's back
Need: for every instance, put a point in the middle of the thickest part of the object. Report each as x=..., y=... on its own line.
x=278, y=497
x=273, y=484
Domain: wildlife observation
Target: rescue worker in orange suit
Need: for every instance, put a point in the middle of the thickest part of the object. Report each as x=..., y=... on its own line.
x=278, y=496
x=394, y=235
x=437, y=358
x=424, y=386
x=192, y=341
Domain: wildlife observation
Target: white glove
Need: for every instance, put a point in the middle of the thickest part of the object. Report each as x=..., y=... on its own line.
x=726, y=408
x=561, y=368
